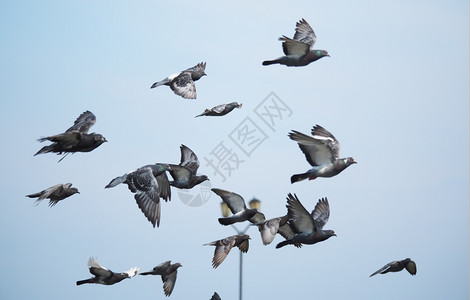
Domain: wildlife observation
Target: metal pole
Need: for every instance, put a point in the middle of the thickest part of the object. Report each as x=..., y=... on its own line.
x=241, y=274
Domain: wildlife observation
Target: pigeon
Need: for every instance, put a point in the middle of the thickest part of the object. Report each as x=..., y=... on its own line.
x=55, y=193
x=182, y=83
x=269, y=228
x=105, y=276
x=223, y=247
x=309, y=226
x=184, y=174
x=168, y=272
x=215, y=296
x=322, y=152
x=220, y=110
x=397, y=266
x=75, y=139
x=298, y=51
x=149, y=183
x=237, y=206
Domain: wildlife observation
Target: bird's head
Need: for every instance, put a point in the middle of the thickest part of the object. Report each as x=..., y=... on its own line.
x=322, y=53
x=350, y=161
x=99, y=138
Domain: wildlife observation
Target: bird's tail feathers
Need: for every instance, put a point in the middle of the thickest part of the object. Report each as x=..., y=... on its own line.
x=80, y=282
x=45, y=149
x=298, y=177
x=225, y=221
x=159, y=83
x=282, y=244
x=270, y=62
x=116, y=181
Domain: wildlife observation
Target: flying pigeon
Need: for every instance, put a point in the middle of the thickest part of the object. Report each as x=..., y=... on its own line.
x=269, y=228
x=397, y=266
x=75, y=139
x=149, y=183
x=168, y=272
x=55, y=193
x=184, y=174
x=223, y=247
x=105, y=276
x=220, y=110
x=322, y=152
x=215, y=296
x=309, y=226
x=299, y=50
x=237, y=206
x=182, y=83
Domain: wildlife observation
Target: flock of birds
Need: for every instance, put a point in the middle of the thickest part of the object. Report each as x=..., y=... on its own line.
x=150, y=183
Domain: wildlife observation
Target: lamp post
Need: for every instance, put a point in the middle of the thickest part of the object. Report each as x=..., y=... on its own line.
x=254, y=204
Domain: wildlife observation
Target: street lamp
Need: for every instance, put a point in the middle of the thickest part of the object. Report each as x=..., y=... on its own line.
x=253, y=204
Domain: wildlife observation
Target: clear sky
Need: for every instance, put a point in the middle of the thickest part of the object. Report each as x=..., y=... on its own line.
x=394, y=92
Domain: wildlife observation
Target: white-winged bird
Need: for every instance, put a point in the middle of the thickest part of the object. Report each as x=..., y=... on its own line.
x=105, y=276
x=182, y=83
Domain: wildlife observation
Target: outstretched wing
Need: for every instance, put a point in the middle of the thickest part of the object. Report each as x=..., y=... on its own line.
x=184, y=86
x=304, y=33
x=235, y=202
x=298, y=215
x=321, y=213
x=189, y=159
x=317, y=152
x=84, y=122
x=98, y=270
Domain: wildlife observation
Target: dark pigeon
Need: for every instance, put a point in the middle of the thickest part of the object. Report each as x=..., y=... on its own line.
x=322, y=152
x=309, y=226
x=397, y=266
x=184, y=174
x=105, y=276
x=149, y=183
x=182, y=83
x=75, y=139
x=55, y=193
x=299, y=50
x=237, y=206
x=220, y=110
x=223, y=247
x=215, y=296
x=168, y=272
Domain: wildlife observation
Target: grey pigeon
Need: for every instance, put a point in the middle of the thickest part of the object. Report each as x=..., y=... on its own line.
x=105, y=276
x=149, y=183
x=237, y=206
x=322, y=152
x=182, y=83
x=184, y=175
x=215, y=296
x=75, y=139
x=223, y=247
x=269, y=228
x=299, y=50
x=309, y=226
x=55, y=193
x=168, y=272
x=220, y=110
x=397, y=266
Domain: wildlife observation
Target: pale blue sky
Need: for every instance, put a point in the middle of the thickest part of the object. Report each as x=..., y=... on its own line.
x=394, y=93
